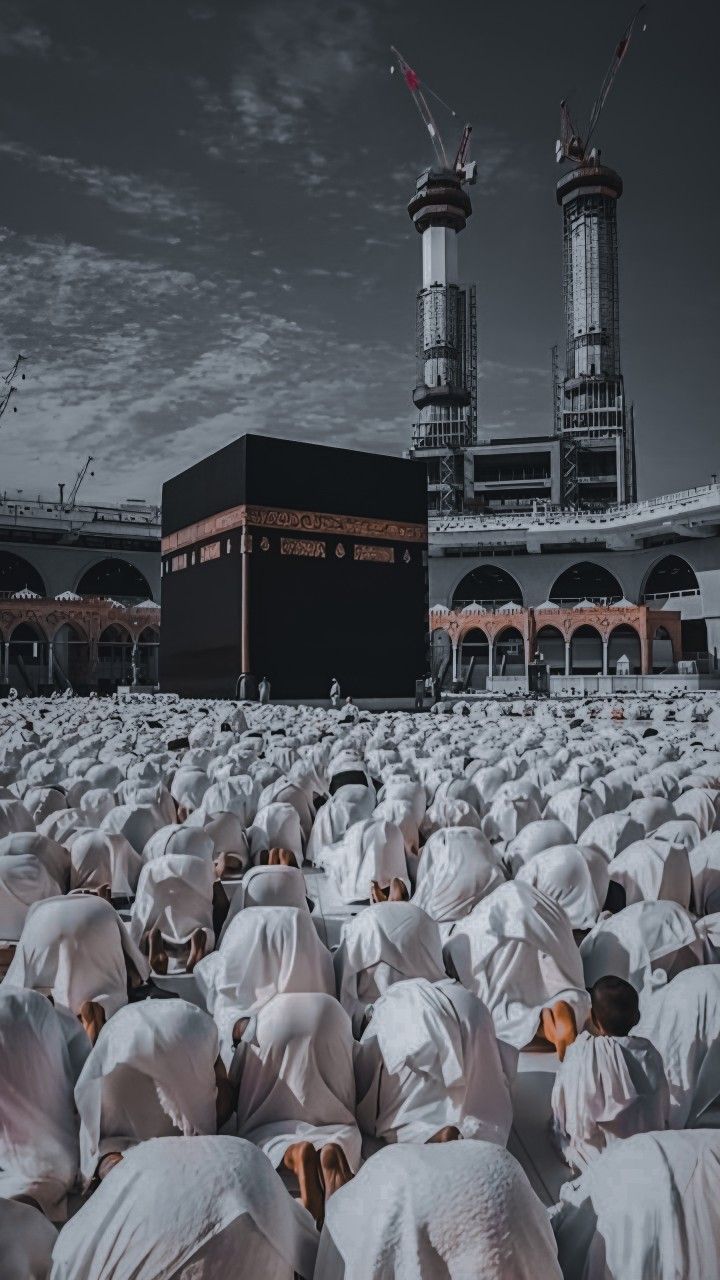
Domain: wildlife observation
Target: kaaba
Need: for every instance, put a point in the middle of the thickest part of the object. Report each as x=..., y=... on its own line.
x=296, y=562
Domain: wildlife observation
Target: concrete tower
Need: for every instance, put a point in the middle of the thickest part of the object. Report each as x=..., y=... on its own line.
x=446, y=343
x=598, y=462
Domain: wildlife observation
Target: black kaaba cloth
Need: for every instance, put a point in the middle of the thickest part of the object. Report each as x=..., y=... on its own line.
x=331, y=546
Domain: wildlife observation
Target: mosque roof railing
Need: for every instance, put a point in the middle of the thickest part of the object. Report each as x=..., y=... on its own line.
x=701, y=502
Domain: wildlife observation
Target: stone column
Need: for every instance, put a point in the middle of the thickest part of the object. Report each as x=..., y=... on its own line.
x=6, y=660
x=567, y=657
x=605, y=643
x=455, y=661
x=491, y=655
x=50, y=662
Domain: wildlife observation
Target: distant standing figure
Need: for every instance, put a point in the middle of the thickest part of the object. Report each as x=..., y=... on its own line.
x=335, y=693
x=264, y=690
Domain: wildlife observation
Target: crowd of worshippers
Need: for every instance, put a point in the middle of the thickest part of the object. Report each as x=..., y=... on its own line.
x=268, y=975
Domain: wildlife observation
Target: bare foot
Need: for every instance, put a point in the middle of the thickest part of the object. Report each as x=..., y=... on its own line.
x=558, y=1026
x=107, y=1163
x=281, y=858
x=398, y=890
x=92, y=1017
x=376, y=893
x=198, y=943
x=6, y=954
x=449, y=1134
x=302, y=1159
x=228, y=866
x=336, y=1171
x=157, y=953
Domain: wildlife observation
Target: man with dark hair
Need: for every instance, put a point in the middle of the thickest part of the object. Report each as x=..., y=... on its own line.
x=611, y=1084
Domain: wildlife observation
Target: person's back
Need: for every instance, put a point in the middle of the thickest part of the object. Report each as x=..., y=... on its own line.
x=611, y=1083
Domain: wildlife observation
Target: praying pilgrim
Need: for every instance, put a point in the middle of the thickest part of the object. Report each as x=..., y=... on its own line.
x=323, y=992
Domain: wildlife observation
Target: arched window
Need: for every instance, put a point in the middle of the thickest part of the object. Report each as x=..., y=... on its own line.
x=662, y=651
x=17, y=573
x=115, y=579
x=114, y=658
x=509, y=659
x=671, y=576
x=624, y=642
x=586, y=652
x=71, y=655
x=28, y=657
x=489, y=586
x=586, y=581
x=474, y=650
x=550, y=644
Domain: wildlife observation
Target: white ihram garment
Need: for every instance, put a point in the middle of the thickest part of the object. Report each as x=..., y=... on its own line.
x=268, y=887
x=23, y=881
x=653, y=870
x=38, y=1126
x=683, y=1022
x=612, y=833
x=607, y=1088
x=517, y=953
x=546, y=833
x=644, y=944
x=347, y=806
x=150, y=1075
x=458, y=867
x=705, y=872
x=460, y=1210
x=75, y=949
x=174, y=895
x=202, y=1208
x=648, y=1209
x=380, y=946
x=294, y=1068
x=563, y=874
x=276, y=826
x=266, y=950
x=429, y=1058
x=26, y=1241
x=370, y=850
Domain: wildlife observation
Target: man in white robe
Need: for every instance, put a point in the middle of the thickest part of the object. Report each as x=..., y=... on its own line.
x=682, y=1020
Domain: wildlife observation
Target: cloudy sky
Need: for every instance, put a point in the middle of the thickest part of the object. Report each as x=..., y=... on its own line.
x=203, y=226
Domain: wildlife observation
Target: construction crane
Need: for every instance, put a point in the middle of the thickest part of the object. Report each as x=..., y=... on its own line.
x=72, y=496
x=420, y=92
x=7, y=384
x=572, y=145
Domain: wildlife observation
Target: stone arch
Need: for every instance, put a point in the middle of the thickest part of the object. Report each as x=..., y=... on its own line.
x=509, y=653
x=473, y=657
x=662, y=650
x=624, y=642
x=71, y=656
x=115, y=647
x=113, y=577
x=17, y=573
x=441, y=656
x=27, y=659
x=585, y=580
x=669, y=575
x=489, y=585
x=586, y=651
x=550, y=643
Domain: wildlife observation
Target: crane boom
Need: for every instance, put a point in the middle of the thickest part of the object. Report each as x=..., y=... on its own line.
x=571, y=145
x=70, y=504
x=415, y=86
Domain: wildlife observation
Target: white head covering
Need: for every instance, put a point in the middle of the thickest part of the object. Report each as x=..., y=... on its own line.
x=349, y=804
x=38, y=1129
x=457, y=868
x=180, y=841
x=429, y=1058
x=447, y=812
x=653, y=869
x=612, y=833
x=40, y=802
x=641, y=944
x=98, y=858
x=576, y=807
x=382, y=945
x=276, y=826
x=682, y=1020
x=137, y=822
x=14, y=817
x=698, y=805
x=182, y=1207
x=705, y=872
x=651, y=812
x=563, y=875
x=54, y=857
x=174, y=895
x=370, y=850
x=189, y=786
x=607, y=1088
x=516, y=951
x=150, y=1074
x=457, y=1209
x=645, y=1210
x=26, y=1241
x=536, y=836
x=237, y=794
x=23, y=881
x=268, y=887
x=75, y=949
x=265, y=950
x=294, y=1067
